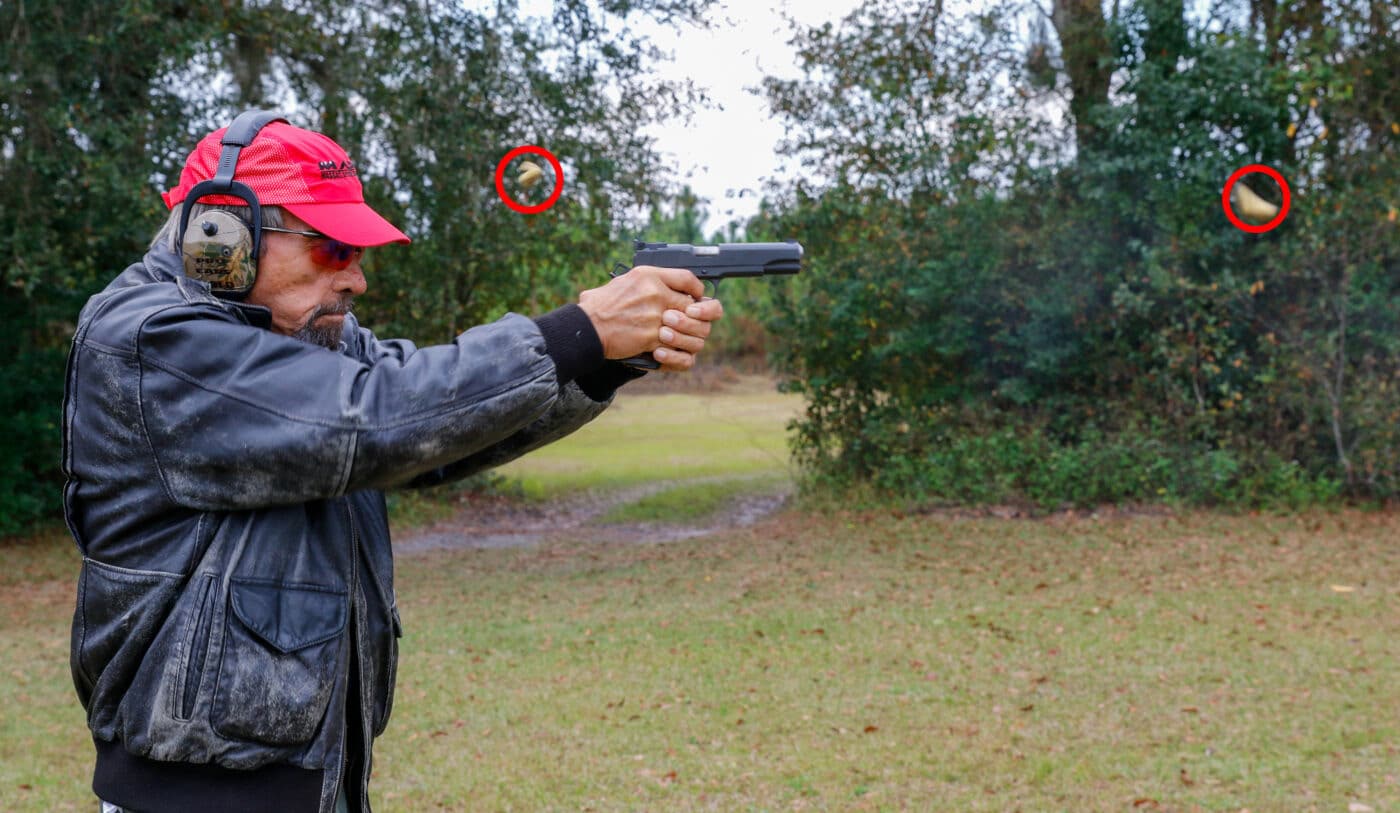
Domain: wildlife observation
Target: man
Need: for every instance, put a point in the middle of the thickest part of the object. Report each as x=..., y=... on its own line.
x=228, y=430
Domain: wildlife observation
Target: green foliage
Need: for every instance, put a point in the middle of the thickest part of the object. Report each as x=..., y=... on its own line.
x=1022, y=465
x=994, y=270
x=30, y=474
x=84, y=115
x=991, y=318
x=449, y=93
x=681, y=224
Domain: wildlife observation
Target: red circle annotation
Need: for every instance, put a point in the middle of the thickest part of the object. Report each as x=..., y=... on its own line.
x=530, y=149
x=1230, y=212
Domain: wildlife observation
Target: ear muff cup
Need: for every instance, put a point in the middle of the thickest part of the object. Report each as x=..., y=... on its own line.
x=217, y=248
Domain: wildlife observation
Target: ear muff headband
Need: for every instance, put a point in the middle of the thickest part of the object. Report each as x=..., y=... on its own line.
x=233, y=274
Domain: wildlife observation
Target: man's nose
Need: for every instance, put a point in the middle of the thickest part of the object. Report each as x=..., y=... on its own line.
x=351, y=280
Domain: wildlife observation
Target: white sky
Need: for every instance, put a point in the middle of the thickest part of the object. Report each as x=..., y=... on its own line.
x=730, y=147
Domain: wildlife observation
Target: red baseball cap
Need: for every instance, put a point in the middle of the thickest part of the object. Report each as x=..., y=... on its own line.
x=305, y=173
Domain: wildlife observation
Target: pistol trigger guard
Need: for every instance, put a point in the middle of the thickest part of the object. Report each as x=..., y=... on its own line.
x=711, y=287
x=618, y=270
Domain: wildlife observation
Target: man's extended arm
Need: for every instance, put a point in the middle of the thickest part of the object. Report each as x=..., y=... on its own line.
x=583, y=396
x=241, y=418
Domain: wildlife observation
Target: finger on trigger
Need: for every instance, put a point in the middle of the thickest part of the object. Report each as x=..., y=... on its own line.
x=708, y=310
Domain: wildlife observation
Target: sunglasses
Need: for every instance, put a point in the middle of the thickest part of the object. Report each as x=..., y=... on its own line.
x=328, y=252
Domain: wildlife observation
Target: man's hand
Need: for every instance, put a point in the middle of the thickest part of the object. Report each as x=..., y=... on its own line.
x=656, y=310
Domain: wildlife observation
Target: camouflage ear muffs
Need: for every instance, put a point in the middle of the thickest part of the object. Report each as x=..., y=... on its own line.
x=219, y=248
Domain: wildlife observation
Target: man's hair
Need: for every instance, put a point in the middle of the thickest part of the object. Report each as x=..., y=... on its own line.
x=169, y=234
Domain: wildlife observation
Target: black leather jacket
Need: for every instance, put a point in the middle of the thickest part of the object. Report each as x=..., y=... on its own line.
x=224, y=488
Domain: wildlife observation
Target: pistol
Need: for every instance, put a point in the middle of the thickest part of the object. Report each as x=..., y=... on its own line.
x=710, y=264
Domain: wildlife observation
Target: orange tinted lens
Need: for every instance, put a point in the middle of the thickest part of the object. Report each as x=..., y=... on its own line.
x=335, y=255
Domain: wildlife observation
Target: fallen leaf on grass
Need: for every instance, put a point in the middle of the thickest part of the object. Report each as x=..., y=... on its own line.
x=1343, y=588
x=1146, y=803
x=1357, y=807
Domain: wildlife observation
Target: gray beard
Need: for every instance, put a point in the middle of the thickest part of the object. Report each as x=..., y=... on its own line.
x=327, y=335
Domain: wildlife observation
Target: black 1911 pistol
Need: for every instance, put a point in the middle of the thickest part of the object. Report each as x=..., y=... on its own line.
x=710, y=264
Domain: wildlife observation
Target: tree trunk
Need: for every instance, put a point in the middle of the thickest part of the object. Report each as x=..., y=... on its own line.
x=1084, y=45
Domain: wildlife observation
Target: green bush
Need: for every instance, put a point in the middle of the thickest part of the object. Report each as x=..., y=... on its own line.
x=31, y=477
x=987, y=317
x=1028, y=467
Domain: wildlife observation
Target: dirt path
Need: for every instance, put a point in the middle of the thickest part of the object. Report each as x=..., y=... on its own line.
x=503, y=522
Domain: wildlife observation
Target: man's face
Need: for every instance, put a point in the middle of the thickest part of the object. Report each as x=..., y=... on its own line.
x=308, y=299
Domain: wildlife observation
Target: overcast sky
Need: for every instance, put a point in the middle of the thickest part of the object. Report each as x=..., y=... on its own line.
x=730, y=148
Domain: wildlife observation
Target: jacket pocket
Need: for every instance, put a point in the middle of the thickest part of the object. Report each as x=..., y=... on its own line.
x=195, y=648
x=119, y=611
x=281, y=658
x=384, y=693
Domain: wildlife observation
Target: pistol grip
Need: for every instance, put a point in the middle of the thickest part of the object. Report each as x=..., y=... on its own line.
x=642, y=361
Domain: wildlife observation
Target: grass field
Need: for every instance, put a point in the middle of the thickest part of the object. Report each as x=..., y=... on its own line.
x=849, y=661
x=649, y=437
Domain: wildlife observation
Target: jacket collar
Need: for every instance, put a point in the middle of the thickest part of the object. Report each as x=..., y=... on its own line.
x=164, y=265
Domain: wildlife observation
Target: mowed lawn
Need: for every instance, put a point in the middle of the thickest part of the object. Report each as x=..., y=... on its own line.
x=850, y=661
x=736, y=432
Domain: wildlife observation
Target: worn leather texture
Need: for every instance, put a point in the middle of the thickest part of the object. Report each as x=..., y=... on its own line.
x=225, y=490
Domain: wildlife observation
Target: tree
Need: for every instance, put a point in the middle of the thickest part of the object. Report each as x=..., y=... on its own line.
x=100, y=105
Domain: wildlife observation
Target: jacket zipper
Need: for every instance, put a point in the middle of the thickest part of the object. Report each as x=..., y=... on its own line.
x=357, y=650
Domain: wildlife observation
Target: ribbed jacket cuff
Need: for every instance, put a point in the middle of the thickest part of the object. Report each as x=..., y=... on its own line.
x=571, y=341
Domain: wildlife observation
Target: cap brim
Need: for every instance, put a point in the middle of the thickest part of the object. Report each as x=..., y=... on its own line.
x=353, y=223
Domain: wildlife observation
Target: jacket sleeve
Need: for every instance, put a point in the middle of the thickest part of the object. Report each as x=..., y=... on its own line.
x=572, y=409
x=578, y=403
x=240, y=417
